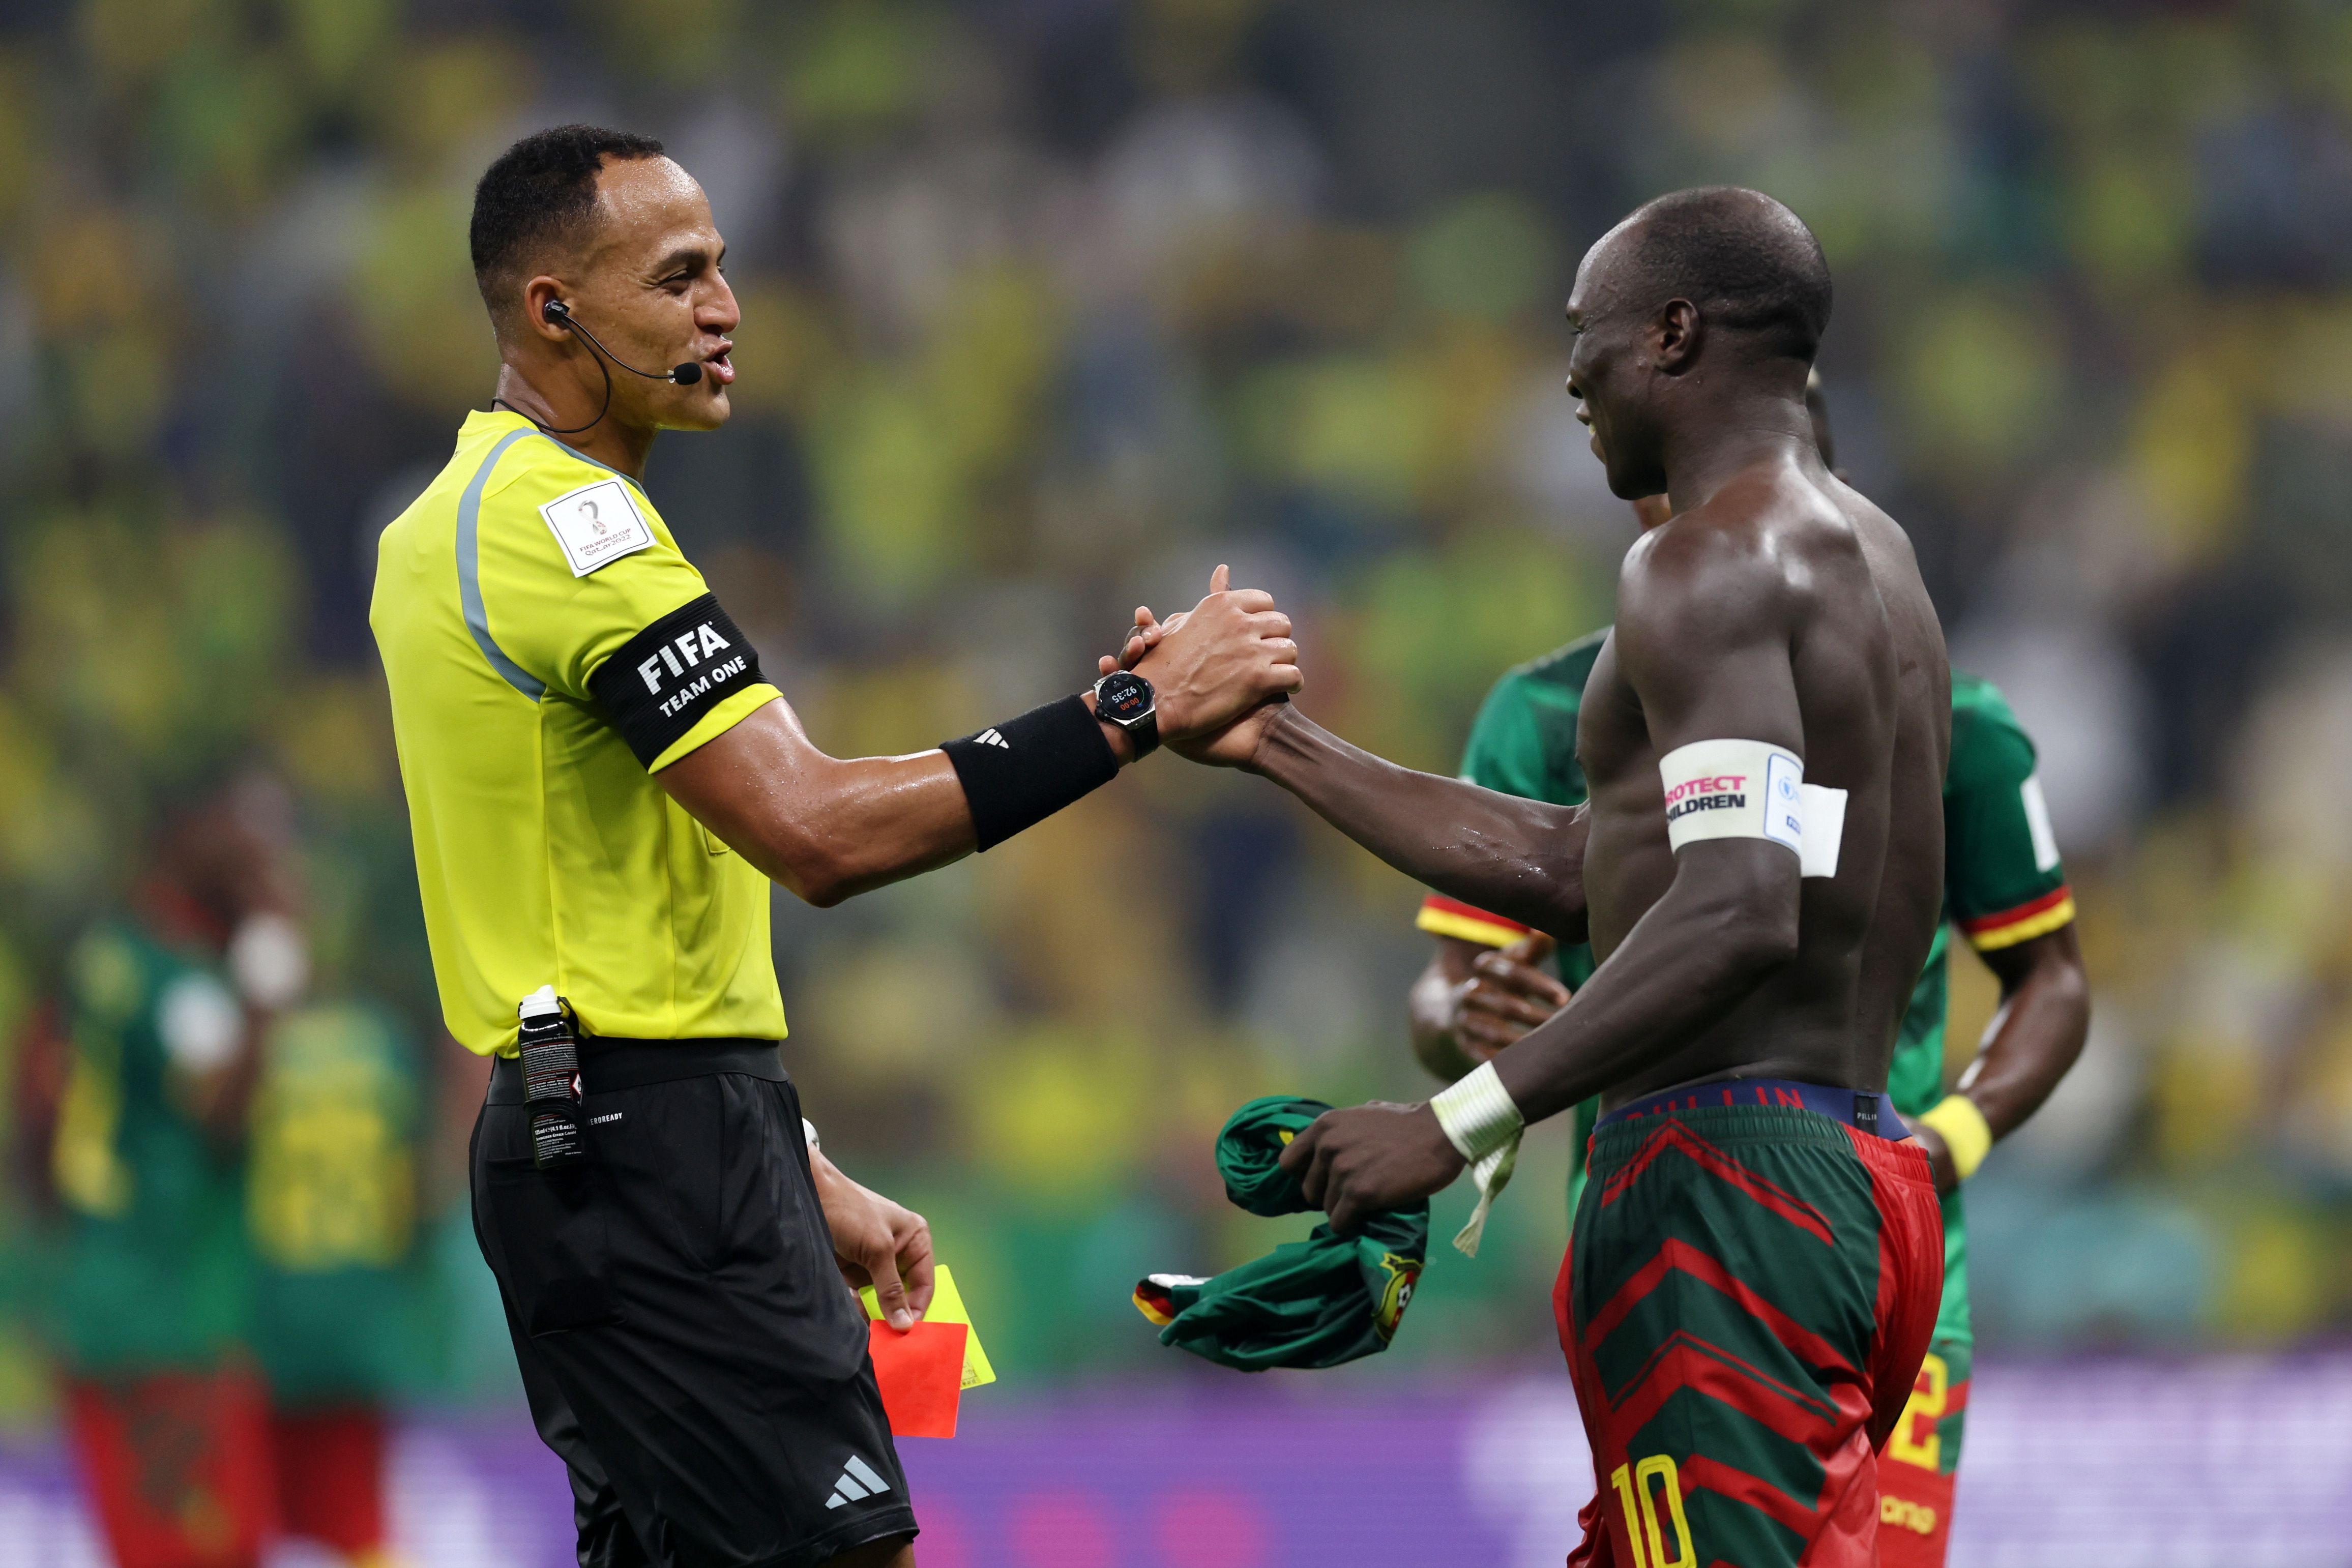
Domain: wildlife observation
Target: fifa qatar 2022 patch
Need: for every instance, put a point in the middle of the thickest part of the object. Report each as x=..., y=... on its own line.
x=597, y=525
x=1751, y=790
x=664, y=679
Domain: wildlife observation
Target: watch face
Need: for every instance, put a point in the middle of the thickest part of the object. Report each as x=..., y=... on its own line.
x=1123, y=697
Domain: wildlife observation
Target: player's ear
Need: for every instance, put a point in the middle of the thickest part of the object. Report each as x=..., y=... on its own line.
x=1676, y=331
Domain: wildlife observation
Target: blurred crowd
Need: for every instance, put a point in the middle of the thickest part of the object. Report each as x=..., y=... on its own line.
x=1052, y=305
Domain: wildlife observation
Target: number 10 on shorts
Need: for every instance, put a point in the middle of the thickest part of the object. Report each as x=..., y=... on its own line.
x=1639, y=1487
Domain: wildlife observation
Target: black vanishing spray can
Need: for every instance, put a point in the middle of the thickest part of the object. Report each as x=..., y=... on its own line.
x=550, y=1072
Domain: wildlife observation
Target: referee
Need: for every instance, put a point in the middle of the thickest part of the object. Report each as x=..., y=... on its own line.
x=601, y=784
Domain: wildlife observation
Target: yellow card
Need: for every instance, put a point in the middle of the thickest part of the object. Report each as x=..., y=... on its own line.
x=947, y=1307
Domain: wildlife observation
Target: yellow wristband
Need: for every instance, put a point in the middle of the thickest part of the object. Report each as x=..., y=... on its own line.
x=1964, y=1132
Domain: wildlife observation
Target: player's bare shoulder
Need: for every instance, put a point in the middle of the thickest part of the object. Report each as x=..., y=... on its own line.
x=1894, y=566
x=1754, y=564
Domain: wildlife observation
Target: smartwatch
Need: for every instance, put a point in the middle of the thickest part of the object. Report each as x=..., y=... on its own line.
x=1125, y=698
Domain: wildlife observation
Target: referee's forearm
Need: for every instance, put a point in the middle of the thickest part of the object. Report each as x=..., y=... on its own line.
x=863, y=824
x=825, y=828
x=828, y=828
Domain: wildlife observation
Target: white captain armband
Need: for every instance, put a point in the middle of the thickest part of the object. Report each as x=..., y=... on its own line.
x=1751, y=790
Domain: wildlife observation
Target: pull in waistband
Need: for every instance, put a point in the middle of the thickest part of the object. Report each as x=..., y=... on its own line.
x=1861, y=1109
x=607, y=1064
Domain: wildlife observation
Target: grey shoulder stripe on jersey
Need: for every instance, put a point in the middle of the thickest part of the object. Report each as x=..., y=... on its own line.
x=469, y=573
x=629, y=480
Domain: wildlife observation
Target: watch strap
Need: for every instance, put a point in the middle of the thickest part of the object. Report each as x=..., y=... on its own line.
x=1145, y=732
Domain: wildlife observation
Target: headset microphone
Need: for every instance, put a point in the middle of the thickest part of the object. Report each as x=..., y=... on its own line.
x=558, y=314
x=684, y=375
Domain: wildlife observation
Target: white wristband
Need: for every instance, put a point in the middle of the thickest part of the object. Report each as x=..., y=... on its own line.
x=1483, y=1122
x=808, y=1134
x=1478, y=1113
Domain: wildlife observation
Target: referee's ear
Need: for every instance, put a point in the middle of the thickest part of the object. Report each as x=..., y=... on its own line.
x=537, y=295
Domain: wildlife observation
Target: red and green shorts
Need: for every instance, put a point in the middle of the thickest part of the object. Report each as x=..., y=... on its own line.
x=177, y=1464
x=1748, y=1295
x=193, y=1470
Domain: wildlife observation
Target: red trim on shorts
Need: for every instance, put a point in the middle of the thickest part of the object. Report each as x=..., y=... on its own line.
x=1910, y=1272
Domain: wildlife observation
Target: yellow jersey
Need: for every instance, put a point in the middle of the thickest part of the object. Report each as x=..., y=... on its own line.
x=549, y=650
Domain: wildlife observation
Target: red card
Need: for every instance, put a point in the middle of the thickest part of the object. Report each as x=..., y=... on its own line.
x=921, y=1375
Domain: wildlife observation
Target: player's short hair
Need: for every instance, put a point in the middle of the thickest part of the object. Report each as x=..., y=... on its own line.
x=542, y=190
x=1745, y=260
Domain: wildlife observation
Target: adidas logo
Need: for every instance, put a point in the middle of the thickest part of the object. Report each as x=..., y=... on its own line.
x=989, y=737
x=858, y=1482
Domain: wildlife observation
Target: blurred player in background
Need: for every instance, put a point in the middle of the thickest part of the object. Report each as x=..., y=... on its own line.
x=339, y=1110
x=1492, y=979
x=237, y=1165
x=164, y=1009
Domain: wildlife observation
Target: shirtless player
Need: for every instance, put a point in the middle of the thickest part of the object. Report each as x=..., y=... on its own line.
x=2006, y=897
x=1752, y=1285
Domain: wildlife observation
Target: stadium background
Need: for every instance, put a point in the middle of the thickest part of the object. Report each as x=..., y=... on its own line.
x=1049, y=305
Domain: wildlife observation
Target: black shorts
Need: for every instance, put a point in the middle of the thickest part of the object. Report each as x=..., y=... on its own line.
x=688, y=1347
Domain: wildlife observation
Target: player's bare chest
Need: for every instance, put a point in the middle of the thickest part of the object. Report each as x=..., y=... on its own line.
x=1612, y=739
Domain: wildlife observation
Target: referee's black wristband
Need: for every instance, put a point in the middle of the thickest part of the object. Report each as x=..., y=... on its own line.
x=1018, y=773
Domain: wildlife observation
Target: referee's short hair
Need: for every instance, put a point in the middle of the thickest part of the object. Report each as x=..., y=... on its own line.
x=1746, y=262
x=542, y=191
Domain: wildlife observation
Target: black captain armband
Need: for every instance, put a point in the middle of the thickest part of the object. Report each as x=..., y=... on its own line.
x=1018, y=773
x=666, y=677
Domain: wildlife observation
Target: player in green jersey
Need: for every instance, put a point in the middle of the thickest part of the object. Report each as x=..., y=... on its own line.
x=1488, y=983
x=163, y=1009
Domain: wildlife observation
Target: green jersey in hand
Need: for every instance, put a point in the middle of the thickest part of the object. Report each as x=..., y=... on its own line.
x=1318, y=1302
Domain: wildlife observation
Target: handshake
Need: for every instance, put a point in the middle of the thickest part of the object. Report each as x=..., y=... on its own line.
x=1220, y=671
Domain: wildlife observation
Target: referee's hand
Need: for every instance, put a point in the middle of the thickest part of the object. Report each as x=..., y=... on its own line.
x=877, y=1243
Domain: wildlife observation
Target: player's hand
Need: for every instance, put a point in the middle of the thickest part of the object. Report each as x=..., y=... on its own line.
x=1230, y=654
x=876, y=1242
x=1369, y=1159
x=1940, y=1159
x=1237, y=744
x=1142, y=638
x=1507, y=994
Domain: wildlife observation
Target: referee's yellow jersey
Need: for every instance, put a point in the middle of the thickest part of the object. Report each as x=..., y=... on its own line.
x=549, y=650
